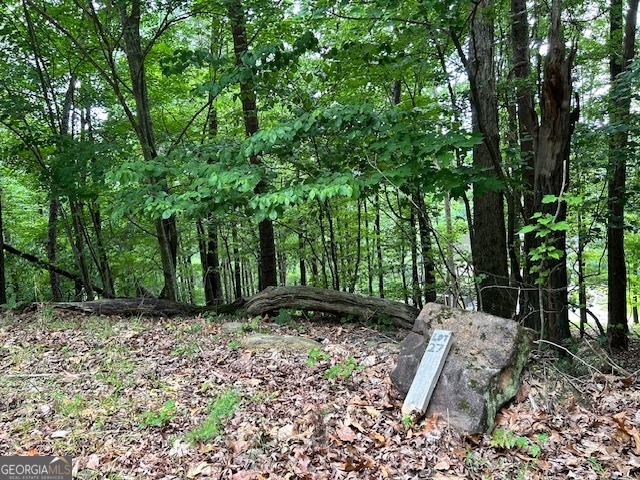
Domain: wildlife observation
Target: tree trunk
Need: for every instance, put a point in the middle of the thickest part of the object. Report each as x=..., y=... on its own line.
x=267, y=264
x=416, y=291
x=210, y=260
x=46, y=265
x=618, y=327
x=3, y=282
x=108, y=286
x=489, y=246
x=76, y=238
x=528, y=134
x=303, y=268
x=378, y=238
x=367, y=245
x=331, y=301
x=428, y=263
x=552, y=170
x=166, y=229
x=52, y=249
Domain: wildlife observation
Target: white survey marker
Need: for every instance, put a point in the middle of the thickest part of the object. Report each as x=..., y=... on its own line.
x=428, y=373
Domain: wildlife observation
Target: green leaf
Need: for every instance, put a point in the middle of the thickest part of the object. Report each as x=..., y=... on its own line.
x=563, y=225
x=549, y=199
x=526, y=229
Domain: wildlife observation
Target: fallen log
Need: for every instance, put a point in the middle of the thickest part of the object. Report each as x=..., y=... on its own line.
x=47, y=266
x=314, y=299
x=333, y=302
x=145, y=306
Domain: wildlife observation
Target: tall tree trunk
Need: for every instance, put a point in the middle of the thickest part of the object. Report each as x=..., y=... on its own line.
x=52, y=249
x=268, y=269
x=416, y=291
x=303, y=268
x=489, y=246
x=210, y=260
x=528, y=134
x=78, y=245
x=3, y=282
x=618, y=327
x=166, y=229
x=428, y=263
x=378, y=238
x=236, y=265
x=106, y=276
x=557, y=122
x=367, y=244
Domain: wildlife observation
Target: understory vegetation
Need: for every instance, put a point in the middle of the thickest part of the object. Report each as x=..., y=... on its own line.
x=123, y=400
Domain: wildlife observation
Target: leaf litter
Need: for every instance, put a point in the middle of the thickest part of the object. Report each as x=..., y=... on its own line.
x=129, y=393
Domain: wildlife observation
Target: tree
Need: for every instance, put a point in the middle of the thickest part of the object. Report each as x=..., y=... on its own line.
x=488, y=245
x=619, y=62
x=268, y=265
x=3, y=282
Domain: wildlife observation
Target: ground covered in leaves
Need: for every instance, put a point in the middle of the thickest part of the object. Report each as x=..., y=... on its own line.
x=141, y=398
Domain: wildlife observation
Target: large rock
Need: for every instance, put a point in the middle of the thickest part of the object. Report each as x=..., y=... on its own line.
x=482, y=371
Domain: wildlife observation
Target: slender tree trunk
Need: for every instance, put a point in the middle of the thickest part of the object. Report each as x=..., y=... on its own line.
x=378, y=238
x=367, y=244
x=428, y=264
x=3, y=282
x=268, y=270
x=356, y=267
x=333, y=253
x=210, y=260
x=52, y=249
x=452, y=274
x=166, y=229
x=618, y=327
x=582, y=287
x=528, y=134
x=303, y=268
x=236, y=265
x=415, y=276
x=78, y=244
x=489, y=246
x=106, y=276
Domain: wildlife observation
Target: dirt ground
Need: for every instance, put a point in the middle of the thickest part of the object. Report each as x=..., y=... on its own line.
x=169, y=399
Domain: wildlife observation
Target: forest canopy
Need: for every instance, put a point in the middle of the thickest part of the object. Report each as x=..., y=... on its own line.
x=481, y=154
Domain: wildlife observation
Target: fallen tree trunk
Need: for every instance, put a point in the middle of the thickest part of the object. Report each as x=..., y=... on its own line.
x=334, y=302
x=46, y=265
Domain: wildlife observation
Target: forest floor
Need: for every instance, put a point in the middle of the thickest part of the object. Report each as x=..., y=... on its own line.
x=142, y=398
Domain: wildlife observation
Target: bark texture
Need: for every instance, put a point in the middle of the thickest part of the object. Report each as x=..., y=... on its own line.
x=332, y=302
x=314, y=299
x=166, y=229
x=268, y=262
x=551, y=171
x=489, y=243
x=618, y=327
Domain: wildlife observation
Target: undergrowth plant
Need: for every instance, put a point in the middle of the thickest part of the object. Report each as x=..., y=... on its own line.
x=222, y=407
x=167, y=412
x=507, y=440
x=316, y=355
x=342, y=371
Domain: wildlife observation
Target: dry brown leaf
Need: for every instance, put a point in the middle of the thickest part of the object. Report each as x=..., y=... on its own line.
x=379, y=439
x=346, y=434
x=443, y=464
x=620, y=419
x=93, y=462
x=356, y=464
x=246, y=475
x=372, y=411
x=202, y=468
